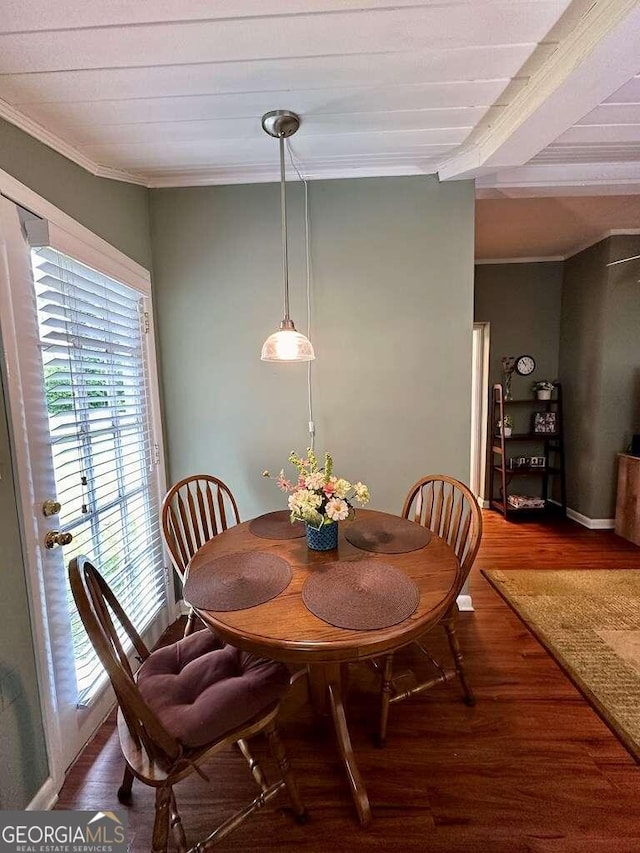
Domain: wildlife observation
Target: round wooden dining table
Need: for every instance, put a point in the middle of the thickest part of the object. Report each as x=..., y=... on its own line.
x=284, y=629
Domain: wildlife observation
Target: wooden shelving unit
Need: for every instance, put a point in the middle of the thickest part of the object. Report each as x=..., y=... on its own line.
x=548, y=445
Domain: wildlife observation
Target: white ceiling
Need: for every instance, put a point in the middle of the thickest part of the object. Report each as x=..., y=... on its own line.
x=171, y=92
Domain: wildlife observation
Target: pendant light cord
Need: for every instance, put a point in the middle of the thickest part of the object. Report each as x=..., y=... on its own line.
x=307, y=243
x=283, y=217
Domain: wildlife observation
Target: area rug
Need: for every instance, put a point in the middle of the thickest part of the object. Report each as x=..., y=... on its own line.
x=589, y=621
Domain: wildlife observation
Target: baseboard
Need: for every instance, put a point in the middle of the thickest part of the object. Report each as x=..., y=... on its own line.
x=591, y=523
x=182, y=608
x=465, y=604
x=45, y=799
x=483, y=503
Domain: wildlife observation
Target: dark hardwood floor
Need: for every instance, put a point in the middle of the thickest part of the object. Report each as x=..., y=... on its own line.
x=530, y=768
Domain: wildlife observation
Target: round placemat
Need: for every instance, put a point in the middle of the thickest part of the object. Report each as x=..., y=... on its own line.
x=276, y=525
x=236, y=581
x=388, y=535
x=361, y=595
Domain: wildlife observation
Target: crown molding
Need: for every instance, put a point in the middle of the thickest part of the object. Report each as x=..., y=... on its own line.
x=37, y=131
x=539, y=260
x=352, y=167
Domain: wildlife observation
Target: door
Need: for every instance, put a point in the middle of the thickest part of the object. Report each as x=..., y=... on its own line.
x=84, y=410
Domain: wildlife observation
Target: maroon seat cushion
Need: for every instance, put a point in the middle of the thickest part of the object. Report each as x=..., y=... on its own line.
x=200, y=690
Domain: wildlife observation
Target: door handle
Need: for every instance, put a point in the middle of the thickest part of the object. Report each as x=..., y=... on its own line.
x=56, y=537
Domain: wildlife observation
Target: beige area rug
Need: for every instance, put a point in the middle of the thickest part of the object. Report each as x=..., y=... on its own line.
x=589, y=621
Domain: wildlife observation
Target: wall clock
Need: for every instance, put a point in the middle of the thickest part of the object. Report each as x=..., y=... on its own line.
x=525, y=365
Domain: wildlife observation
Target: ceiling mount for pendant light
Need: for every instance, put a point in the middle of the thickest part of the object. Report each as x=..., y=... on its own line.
x=286, y=344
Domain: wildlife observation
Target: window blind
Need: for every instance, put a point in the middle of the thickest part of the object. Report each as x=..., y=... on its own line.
x=96, y=378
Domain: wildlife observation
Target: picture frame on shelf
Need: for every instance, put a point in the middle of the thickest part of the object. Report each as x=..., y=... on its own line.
x=545, y=423
x=518, y=462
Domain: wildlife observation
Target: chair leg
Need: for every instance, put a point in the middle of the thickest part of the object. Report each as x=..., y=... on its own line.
x=255, y=768
x=161, y=820
x=385, y=700
x=454, y=645
x=278, y=751
x=191, y=620
x=176, y=826
x=124, y=791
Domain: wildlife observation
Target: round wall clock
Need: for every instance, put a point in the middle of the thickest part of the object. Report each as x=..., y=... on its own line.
x=525, y=365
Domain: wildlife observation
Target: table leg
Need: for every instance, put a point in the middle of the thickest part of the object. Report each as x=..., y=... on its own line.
x=358, y=790
x=327, y=690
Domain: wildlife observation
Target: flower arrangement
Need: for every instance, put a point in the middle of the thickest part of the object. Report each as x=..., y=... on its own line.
x=543, y=385
x=319, y=498
x=506, y=422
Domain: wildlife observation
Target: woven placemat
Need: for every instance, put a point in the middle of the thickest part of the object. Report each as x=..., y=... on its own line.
x=236, y=581
x=276, y=525
x=388, y=535
x=361, y=595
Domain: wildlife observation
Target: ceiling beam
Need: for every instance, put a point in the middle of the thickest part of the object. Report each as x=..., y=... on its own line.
x=600, y=54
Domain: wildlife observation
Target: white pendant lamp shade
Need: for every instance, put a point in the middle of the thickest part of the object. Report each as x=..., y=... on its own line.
x=286, y=344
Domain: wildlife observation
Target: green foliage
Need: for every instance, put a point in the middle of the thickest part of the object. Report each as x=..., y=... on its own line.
x=60, y=398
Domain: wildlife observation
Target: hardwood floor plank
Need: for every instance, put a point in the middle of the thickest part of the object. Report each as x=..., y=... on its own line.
x=530, y=769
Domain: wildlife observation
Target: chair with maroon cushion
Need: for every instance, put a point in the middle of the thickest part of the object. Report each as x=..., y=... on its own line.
x=449, y=509
x=186, y=702
x=194, y=510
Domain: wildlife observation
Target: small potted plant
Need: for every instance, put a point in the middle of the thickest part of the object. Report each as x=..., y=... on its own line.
x=543, y=389
x=506, y=426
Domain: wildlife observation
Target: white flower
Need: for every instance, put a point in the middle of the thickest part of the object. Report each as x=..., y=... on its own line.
x=314, y=481
x=311, y=516
x=362, y=492
x=303, y=499
x=341, y=487
x=337, y=509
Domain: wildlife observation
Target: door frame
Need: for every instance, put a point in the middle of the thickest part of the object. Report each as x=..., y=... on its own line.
x=76, y=240
x=480, y=403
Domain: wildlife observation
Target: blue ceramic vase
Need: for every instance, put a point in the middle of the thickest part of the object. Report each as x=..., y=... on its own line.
x=324, y=539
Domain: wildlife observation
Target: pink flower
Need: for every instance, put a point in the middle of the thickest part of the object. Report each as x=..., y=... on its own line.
x=284, y=484
x=329, y=489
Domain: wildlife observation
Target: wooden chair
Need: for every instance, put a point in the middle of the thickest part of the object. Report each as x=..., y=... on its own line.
x=195, y=510
x=182, y=707
x=449, y=509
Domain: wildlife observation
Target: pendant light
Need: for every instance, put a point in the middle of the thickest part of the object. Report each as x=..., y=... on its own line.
x=286, y=344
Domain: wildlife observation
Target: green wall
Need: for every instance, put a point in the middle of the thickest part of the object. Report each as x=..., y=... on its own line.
x=600, y=370
x=115, y=211
x=119, y=213
x=392, y=320
x=522, y=303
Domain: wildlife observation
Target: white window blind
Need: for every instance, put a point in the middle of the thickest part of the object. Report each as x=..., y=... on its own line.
x=92, y=330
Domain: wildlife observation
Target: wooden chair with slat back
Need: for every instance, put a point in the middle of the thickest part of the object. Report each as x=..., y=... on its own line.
x=154, y=752
x=195, y=510
x=449, y=509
